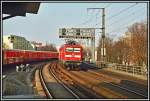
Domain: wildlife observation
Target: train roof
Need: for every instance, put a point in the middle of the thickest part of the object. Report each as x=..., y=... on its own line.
x=27, y=50
x=70, y=45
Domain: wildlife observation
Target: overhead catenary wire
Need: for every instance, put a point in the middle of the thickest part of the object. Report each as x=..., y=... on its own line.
x=122, y=11
x=91, y=18
x=96, y=16
x=107, y=6
x=118, y=29
x=87, y=21
x=123, y=27
x=125, y=17
x=110, y=17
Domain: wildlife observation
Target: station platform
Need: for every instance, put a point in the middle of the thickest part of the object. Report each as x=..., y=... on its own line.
x=23, y=97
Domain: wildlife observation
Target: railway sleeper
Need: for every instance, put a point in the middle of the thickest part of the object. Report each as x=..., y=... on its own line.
x=100, y=90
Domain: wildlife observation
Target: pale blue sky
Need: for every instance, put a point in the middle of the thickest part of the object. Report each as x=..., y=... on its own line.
x=45, y=25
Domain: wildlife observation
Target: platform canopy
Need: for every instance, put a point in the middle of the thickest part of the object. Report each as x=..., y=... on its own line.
x=19, y=8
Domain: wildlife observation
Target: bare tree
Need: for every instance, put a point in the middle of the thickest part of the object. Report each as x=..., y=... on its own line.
x=139, y=42
x=5, y=46
x=122, y=51
x=48, y=47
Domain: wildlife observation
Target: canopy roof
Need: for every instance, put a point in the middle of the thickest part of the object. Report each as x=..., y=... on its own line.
x=20, y=8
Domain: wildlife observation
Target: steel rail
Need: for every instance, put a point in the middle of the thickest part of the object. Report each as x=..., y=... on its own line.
x=48, y=93
x=59, y=81
x=124, y=88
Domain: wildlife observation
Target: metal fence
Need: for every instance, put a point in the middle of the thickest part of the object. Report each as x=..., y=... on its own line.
x=135, y=70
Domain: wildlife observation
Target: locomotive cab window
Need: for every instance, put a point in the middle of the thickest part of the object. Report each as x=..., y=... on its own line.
x=69, y=49
x=76, y=49
x=72, y=49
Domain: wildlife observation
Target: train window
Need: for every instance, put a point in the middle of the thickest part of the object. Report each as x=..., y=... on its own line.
x=76, y=49
x=69, y=49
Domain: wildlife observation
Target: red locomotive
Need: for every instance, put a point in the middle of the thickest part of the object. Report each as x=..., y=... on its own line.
x=71, y=55
x=21, y=56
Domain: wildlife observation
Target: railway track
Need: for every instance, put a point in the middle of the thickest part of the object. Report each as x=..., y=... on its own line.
x=91, y=85
x=51, y=86
x=80, y=90
x=61, y=82
x=123, y=77
x=46, y=90
x=117, y=86
x=70, y=82
x=130, y=93
x=105, y=81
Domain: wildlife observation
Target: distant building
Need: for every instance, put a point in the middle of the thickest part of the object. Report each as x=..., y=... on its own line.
x=17, y=42
x=36, y=45
x=127, y=38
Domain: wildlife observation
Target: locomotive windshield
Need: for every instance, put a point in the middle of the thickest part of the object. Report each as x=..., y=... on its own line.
x=69, y=49
x=72, y=49
x=76, y=49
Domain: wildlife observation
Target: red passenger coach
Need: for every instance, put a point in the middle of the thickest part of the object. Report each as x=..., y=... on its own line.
x=71, y=55
x=20, y=56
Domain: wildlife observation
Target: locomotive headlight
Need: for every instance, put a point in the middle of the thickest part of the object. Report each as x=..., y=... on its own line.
x=77, y=56
x=68, y=55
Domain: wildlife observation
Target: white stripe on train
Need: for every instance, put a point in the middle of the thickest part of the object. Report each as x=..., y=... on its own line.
x=76, y=56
